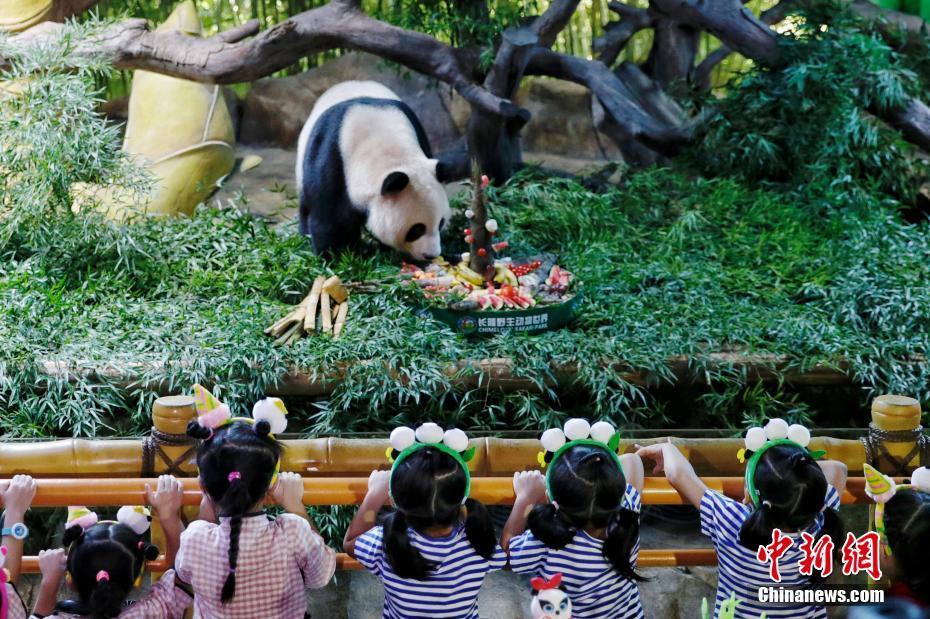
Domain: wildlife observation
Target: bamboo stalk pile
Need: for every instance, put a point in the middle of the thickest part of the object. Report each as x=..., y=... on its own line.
x=323, y=310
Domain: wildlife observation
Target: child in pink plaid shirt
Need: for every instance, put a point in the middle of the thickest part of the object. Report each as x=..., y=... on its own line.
x=248, y=565
x=105, y=558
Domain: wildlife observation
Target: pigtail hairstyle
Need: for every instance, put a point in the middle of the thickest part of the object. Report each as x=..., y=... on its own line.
x=104, y=562
x=907, y=528
x=588, y=487
x=237, y=462
x=792, y=489
x=428, y=489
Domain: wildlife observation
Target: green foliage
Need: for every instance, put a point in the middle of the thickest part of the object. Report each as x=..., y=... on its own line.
x=807, y=122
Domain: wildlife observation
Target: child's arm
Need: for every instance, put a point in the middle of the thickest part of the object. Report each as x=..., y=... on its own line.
x=836, y=473
x=379, y=484
x=17, y=497
x=632, y=466
x=166, y=501
x=530, y=490
x=678, y=470
x=52, y=564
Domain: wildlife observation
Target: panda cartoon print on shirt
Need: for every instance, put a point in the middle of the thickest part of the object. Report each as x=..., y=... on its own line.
x=549, y=600
x=363, y=160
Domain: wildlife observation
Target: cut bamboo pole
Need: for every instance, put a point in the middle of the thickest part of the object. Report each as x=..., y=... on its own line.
x=326, y=313
x=310, y=316
x=341, y=319
x=335, y=311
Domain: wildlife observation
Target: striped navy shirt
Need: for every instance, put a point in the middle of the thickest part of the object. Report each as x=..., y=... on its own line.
x=740, y=572
x=451, y=591
x=597, y=591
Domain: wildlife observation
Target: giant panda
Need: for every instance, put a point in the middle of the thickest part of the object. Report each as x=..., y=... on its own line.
x=363, y=160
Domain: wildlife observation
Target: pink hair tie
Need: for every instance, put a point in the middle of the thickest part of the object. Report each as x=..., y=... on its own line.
x=103, y=575
x=234, y=476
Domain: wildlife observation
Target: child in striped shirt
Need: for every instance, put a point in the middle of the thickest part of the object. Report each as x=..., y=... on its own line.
x=589, y=529
x=786, y=489
x=433, y=551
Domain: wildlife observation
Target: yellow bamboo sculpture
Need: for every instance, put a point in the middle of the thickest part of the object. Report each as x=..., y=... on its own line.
x=19, y=15
x=179, y=130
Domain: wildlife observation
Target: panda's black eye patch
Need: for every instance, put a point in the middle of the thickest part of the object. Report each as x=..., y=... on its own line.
x=415, y=232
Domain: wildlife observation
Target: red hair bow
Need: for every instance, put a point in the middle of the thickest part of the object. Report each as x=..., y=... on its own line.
x=541, y=584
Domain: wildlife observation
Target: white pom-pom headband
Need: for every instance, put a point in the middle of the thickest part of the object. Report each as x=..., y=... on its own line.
x=760, y=439
x=136, y=517
x=454, y=442
x=881, y=488
x=555, y=441
x=213, y=414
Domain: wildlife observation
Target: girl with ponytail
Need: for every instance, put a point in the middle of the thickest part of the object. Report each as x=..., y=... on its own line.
x=249, y=565
x=104, y=561
x=434, y=548
x=583, y=520
x=788, y=489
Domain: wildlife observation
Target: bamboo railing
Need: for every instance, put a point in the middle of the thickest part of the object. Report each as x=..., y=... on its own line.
x=114, y=472
x=351, y=491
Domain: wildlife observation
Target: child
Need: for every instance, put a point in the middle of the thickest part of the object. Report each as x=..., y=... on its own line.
x=249, y=565
x=590, y=530
x=787, y=490
x=105, y=558
x=433, y=551
x=17, y=495
x=902, y=519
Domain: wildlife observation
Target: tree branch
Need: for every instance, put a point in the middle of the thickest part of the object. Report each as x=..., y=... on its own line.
x=226, y=59
x=704, y=71
x=619, y=102
x=729, y=21
x=618, y=33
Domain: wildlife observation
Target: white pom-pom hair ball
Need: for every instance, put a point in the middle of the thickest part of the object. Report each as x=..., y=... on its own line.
x=491, y=225
x=273, y=411
x=429, y=432
x=920, y=479
x=602, y=431
x=755, y=439
x=455, y=439
x=402, y=438
x=134, y=518
x=552, y=439
x=577, y=429
x=799, y=434
x=776, y=429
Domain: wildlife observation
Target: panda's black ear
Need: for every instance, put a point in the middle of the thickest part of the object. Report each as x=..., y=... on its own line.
x=394, y=183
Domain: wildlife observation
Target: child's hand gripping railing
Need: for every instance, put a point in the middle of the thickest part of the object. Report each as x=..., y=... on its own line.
x=351, y=490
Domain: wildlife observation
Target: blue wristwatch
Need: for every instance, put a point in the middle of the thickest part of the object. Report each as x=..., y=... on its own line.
x=17, y=531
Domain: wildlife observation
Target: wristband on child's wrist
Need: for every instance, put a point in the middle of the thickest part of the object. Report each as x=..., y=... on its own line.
x=18, y=530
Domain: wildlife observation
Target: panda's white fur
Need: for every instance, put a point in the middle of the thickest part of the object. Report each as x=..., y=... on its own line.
x=375, y=141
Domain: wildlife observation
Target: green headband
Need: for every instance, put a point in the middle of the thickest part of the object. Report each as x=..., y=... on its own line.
x=462, y=458
x=757, y=455
x=610, y=447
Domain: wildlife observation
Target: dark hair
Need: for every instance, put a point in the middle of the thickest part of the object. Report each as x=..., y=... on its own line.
x=792, y=489
x=907, y=527
x=236, y=463
x=427, y=488
x=588, y=487
x=110, y=547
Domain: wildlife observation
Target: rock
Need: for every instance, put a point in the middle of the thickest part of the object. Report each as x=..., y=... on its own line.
x=275, y=109
x=562, y=124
